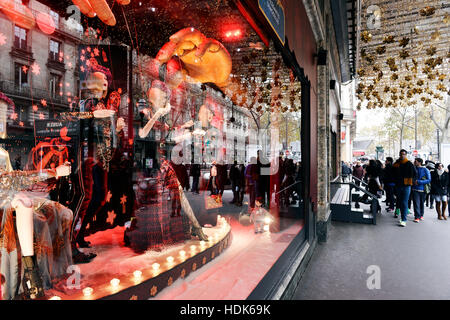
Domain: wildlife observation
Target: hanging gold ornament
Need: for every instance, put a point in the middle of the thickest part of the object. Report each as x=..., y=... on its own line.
x=380, y=49
x=427, y=11
x=366, y=36
x=441, y=77
x=361, y=72
x=441, y=87
x=388, y=39
x=431, y=50
x=446, y=19
x=436, y=35
x=404, y=42
x=403, y=54
x=369, y=58
x=394, y=76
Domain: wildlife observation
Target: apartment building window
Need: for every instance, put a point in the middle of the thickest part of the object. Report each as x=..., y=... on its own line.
x=20, y=74
x=20, y=37
x=54, y=49
x=55, y=17
x=55, y=85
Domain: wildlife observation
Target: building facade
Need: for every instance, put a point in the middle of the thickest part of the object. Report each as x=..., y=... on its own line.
x=38, y=71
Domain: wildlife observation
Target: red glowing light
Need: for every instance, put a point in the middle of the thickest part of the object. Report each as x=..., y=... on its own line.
x=232, y=33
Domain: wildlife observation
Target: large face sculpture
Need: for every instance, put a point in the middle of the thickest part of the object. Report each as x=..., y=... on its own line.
x=204, y=59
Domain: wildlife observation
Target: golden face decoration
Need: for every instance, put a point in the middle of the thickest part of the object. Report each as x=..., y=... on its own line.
x=204, y=59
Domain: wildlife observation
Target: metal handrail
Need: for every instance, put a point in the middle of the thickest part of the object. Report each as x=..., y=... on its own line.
x=358, y=188
x=363, y=182
x=288, y=187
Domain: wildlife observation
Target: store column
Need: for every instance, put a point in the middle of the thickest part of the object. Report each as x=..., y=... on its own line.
x=323, y=207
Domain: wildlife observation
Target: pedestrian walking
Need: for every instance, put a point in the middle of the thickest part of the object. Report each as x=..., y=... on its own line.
x=358, y=172
x=439, y=189
x=240, y=188
x=423, y=178
x=234, y=179
x=251, y=176
x=404, y=173
x=194, y=172
x=389, y=184
x=429, y=199
x=346, y=171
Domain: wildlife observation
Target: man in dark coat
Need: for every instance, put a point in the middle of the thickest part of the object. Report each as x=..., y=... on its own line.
x=404, y=173
x=389, y=184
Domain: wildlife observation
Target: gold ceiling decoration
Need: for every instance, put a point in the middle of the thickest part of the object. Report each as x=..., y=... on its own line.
x=427, y=11
x=405, y=59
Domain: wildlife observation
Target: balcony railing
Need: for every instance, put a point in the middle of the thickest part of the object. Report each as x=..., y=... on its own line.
x=26, y=91
x=55, y=57
x=21, y=46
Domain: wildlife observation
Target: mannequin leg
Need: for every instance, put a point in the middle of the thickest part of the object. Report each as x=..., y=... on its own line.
x=24, y=221
x=32, y=280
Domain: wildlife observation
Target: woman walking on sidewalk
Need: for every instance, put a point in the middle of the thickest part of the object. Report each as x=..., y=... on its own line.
x=439, y=188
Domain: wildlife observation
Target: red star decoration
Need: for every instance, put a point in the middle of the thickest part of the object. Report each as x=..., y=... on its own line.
x=21, y=123
x=82, y=58
x=111, y=217
x=41, y=116
x=44, y=102
x=25, y=69
x=96, y=52
x=108, y=196
x=14, y=116
x=35, y=68
x=123, y=201
x=82, y=69
x=35, y=108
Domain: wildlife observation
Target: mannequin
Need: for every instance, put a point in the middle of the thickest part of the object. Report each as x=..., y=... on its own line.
x=11, y=185
x=159, y=98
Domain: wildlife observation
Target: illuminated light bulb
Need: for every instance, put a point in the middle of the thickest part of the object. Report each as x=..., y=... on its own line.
x=192, y=29
x=182, y=253
x=267, y=220
x=238, y=49
x=238, y=32
x=193, y=248
x=155, y=266
x=55, y=298
x=202, y=243
x=137, y=274
x=228, y=34
x=115, y=282
x=170, y=259
x=153, y=9
x=266, y=227
x=87, y=291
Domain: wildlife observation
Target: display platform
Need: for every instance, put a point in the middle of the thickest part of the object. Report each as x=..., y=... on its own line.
x=119, y=273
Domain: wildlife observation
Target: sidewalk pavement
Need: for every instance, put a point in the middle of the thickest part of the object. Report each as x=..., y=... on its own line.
x=414, y=262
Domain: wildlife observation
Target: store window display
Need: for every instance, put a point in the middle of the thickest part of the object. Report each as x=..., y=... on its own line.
x=188, y=100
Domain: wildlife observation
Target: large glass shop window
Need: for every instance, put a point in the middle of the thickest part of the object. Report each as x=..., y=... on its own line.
x=177, y=148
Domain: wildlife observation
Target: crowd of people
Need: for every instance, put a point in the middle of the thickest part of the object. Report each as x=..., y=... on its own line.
x=420, y=183
x=254, y=178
